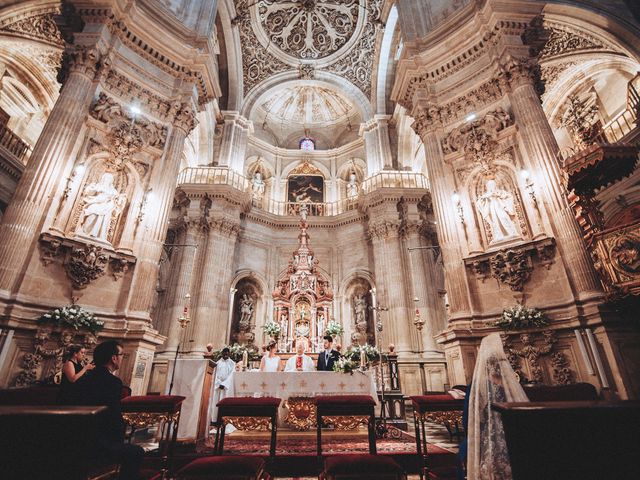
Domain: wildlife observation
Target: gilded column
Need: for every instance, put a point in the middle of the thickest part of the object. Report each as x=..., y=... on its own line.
x=542, y=150
x=427, y=127
x=50, y=160
x=158, y=208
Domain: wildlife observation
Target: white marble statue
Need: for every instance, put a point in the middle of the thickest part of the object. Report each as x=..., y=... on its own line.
x=360, y=311
x=101, y=200
x=497, y=208
x=257, y=186
x=246, y=311
x=352, y=186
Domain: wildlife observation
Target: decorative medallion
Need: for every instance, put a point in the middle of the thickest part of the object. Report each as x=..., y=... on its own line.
x=309, y=29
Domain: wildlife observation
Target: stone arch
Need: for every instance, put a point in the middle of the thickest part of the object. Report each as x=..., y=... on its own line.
x=226, y=12
x=386, y=60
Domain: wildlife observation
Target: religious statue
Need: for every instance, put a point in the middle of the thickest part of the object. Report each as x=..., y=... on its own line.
x=257, y=186
x=360, y=311
x=246, y=312
x=497, y=208
x=352, y=186
x=101, y=201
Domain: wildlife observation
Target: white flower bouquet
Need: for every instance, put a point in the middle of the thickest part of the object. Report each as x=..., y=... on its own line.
x=272, y=329
x=519, y=317
x=353, y=353
x=344, y=365
x=334, y=329
x=73, y=316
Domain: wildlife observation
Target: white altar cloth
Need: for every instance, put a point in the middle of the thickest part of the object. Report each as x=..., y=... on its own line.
x=302, y=384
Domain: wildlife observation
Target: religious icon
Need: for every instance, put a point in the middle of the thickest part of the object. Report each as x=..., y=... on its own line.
x=306, y=189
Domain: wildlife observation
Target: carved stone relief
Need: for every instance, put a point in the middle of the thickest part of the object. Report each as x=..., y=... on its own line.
x=49, y=346
x=563, y=41
x=513, y=266
x=310, y=29
x=83, y=262
x=531, y=354
x=38, y=27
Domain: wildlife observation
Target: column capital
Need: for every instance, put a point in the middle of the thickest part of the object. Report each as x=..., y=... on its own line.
x=80, y=59
x=517, y=72
x=184, y=116
x=427, y=117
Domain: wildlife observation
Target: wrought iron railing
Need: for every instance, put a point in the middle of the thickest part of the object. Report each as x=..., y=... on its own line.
x=224, y=176
x=14, y=144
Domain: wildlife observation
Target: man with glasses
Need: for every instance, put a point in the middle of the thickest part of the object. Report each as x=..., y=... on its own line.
x=102, y=387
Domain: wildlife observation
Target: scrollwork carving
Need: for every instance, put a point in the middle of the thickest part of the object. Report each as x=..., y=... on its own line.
x=85, y=265
x=512, y=268
x=39, y=27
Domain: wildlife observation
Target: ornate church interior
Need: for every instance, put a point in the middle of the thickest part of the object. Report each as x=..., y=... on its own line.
x=410, y=178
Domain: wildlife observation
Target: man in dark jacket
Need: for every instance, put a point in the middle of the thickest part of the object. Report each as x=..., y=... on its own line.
x=102, y=387
x=327, y=358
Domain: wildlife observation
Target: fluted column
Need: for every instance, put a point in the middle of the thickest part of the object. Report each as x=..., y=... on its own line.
x=542, y=150
x=234, y=141
x=213, y=306
x=427, y=127
x=158, y=208
x=425, y=288
x=376, y=144
x=49, y=162
x=184, y=275
x=391, y=285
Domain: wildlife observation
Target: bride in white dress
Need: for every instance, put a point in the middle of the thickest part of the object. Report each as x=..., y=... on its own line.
x=270, y=361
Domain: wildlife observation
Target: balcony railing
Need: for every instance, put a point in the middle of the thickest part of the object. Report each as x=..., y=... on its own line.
x=14, y=144
x=224, y=176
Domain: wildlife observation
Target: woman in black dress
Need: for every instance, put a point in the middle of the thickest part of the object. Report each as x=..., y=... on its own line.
x=72, y=370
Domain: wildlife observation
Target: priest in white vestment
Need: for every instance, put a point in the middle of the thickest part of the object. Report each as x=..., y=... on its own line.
x=223, y=381
x=300, y=362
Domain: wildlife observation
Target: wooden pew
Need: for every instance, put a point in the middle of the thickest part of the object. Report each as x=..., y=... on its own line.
x=586, y=440
x=40, y=442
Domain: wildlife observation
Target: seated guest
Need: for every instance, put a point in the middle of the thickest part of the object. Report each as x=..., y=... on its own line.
x=270, y=361
x=493, y=381
x=73, y=369
x=102, y=387
x=300, y=362
x=327, y=358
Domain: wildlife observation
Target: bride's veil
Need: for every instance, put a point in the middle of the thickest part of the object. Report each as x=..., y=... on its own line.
x=493, y=381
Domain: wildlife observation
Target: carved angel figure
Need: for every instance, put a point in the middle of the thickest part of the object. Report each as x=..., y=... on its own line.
x=257, y=186
x=497, y=208
x=102, y=201
x=246, y=312
x=352, y=186
x=360, y=311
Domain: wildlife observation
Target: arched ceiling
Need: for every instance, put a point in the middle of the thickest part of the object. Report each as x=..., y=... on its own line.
x=306, y=43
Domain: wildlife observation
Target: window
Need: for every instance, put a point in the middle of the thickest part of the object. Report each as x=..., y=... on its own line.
x=308, y=144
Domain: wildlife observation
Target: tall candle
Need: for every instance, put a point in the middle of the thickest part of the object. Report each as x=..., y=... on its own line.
x=363, y=358
x=245, y=359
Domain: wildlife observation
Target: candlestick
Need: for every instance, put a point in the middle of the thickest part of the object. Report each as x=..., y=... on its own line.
x=245, y=360
x=363, y=358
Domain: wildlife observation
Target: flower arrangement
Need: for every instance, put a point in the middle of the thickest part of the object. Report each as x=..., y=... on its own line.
x=272, y=329
x=344, y=365
x=519, y=316
x=73, y=316
x=353, y=353
x=334, y=329
x=236, y=351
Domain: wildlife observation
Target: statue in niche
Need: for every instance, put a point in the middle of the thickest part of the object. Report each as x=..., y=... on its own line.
x=352, y=186
x=246, y=312
x=102, y=201
x=257, y=186
x=360, y=309
x=497, y=208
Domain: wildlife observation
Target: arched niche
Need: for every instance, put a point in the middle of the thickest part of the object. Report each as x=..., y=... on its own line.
x=248, y=308
x=358, y=318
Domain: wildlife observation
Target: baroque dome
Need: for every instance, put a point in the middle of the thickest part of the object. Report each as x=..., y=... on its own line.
x=307, y=104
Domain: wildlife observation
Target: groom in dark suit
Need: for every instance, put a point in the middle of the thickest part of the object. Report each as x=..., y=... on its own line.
x=327, y=357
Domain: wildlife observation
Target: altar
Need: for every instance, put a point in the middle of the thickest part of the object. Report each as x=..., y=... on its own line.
x=297, y=389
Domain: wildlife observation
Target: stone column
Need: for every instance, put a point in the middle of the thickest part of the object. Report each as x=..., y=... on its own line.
x=212, y=311
x=425, y=288
x=235, y=132
x=391, y=285
x=158, y=208
x=184, y=275
x=50, y=161
x=427, y=126
x=542, y=151
x=376, y=144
